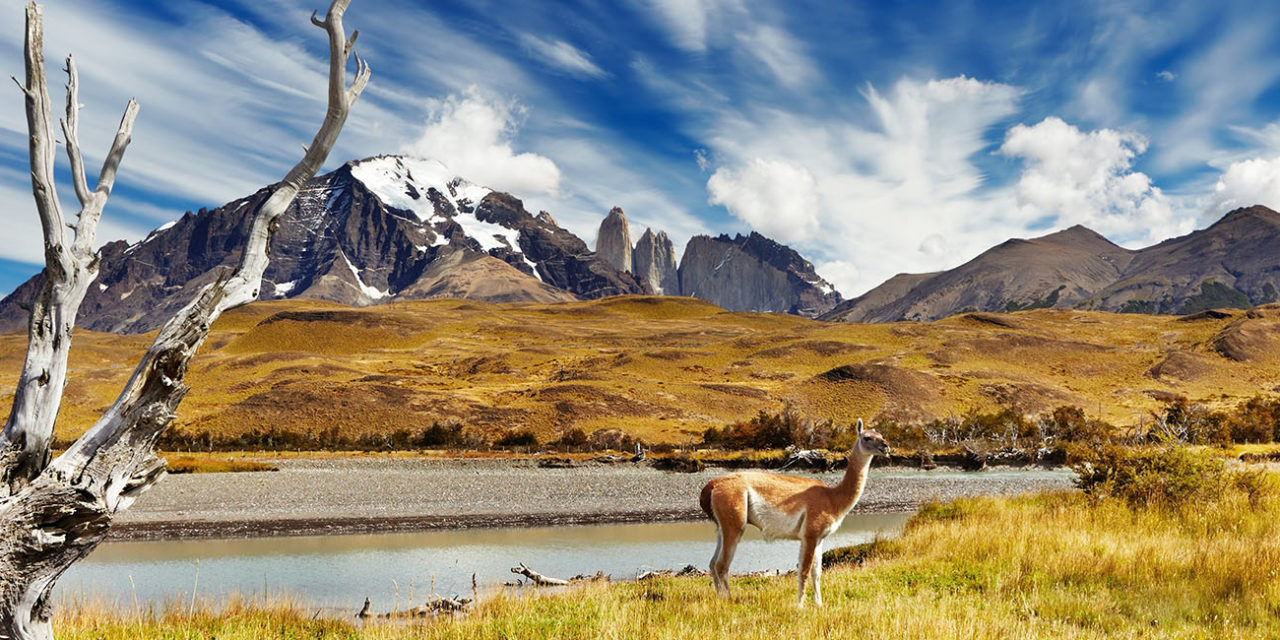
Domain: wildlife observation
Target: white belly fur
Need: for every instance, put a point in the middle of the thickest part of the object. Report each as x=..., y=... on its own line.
x=774, y=524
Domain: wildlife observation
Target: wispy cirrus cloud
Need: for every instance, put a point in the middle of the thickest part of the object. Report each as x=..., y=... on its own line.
x=563, y=56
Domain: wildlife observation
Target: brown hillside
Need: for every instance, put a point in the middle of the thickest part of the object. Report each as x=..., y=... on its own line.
x=664, y=368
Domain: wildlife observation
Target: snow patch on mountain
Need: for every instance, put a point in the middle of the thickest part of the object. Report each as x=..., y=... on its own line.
x=404, y=182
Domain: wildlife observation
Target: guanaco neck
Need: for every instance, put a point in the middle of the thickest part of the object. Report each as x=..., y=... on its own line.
x=846, y=493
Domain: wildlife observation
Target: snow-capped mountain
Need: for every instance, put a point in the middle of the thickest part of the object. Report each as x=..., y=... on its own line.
x=374, y=230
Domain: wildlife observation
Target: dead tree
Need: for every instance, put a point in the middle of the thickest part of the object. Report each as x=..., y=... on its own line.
x=54, y=512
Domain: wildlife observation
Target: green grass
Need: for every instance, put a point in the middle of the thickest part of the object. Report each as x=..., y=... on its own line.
x=1062, y=565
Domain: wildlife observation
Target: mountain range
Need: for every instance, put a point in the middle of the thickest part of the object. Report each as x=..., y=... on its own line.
x=394, y=228
x=1234, y=263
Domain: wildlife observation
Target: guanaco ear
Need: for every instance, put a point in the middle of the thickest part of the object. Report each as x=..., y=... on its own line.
x=859, y=426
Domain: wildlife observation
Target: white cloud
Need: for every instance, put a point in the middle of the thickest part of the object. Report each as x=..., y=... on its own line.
x=700, y=157
x=1166, y=75
x=563, y=56
x=1246, y=183
x=780, y=53
x=877, y=189
x=600, y=175
x=472, y=134
x=844, y=275
x=687, y=21
x=1074, y=177
x=777, y=198
x=934, y=245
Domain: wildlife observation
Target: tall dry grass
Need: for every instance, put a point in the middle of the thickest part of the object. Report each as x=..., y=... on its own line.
x=1060, y=566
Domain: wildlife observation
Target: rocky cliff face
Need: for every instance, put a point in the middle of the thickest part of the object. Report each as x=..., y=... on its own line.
x=654, y=262
x=1233, y=263
x=613, y=242
x=753, y=273
x=372, y=231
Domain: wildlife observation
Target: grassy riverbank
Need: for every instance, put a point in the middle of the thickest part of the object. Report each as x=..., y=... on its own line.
x=1197, y=562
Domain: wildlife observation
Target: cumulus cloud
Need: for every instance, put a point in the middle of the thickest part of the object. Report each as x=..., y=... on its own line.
x=473, y=134
x=1167, y=75
x=1246, y=183
x=776, y=197
x=563, y=56
x=1076, y=177
x=842, y=274
x=869, y=193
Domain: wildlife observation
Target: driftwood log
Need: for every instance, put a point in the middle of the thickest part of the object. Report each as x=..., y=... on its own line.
x=366, y=611
x=53, y=512
x=537, y=578
x=688, y=571
x=811, y=458
x=431, y=607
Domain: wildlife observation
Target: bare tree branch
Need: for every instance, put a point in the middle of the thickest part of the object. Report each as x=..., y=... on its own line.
x=70, y=131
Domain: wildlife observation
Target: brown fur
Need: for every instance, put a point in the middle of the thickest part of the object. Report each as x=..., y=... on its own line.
x=705, y=499
x=785, y=506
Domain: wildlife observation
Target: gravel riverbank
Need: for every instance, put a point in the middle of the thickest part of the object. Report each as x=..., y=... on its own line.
x=370, y=494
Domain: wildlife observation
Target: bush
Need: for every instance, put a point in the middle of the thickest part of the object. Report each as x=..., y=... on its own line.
x=1184, y=421
x=517, y=439
x=574, y=439
x=765, y=431
x=612, y=439
x=1256, y=420
x=442, y=436
x=1169, y=476
x=1070, y=424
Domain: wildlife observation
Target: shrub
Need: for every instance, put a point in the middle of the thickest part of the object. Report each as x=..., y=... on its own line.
x=1255, y=420
x=1070, y=424
x=612, y=439
x=574, y=439
x=1168, y=476
x=517, y=439
x=442, y=436
x=764, y=431
x=1184, y=421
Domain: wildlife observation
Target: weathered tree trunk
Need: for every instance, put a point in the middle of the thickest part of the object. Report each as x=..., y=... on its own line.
x=54, y=513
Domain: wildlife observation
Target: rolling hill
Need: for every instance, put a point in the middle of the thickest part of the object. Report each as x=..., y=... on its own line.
x=665, y=368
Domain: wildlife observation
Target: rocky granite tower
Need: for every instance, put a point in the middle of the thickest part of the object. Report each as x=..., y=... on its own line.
x=613, y=242
x=654, y=261
x=753, y=273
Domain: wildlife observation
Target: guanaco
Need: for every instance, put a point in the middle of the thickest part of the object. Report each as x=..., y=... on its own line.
x=786, y=507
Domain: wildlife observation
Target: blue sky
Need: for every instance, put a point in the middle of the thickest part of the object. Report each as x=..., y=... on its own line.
x=876, y=138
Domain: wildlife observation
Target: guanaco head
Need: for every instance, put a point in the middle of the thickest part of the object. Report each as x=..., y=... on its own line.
x=870, y=442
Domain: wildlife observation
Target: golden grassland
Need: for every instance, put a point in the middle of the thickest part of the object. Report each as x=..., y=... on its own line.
x=188, y=463
x=1062, y=565
x=663, y=369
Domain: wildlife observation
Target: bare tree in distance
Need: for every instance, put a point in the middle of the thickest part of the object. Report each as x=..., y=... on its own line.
x=54, y=512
